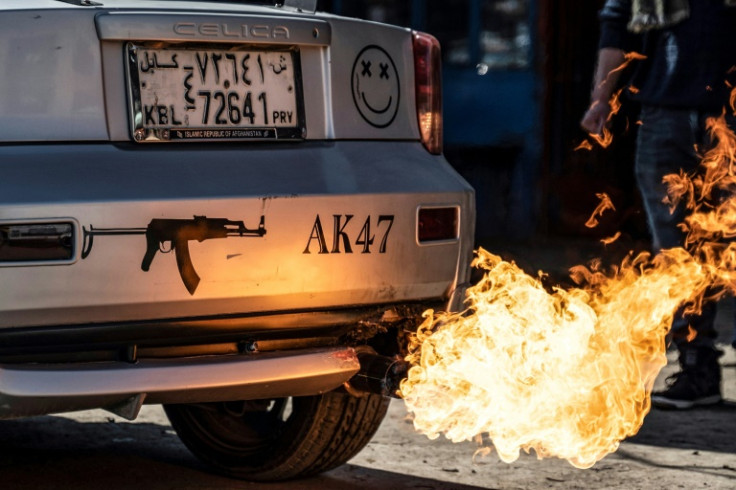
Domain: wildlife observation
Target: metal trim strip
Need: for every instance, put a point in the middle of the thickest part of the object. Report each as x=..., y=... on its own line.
x=38, y=388
x=239, y=29
x=198, y=330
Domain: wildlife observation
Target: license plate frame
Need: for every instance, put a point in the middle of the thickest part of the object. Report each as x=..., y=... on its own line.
x=141, y=115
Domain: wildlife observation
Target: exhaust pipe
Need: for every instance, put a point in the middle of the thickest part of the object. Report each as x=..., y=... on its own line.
x=378, y=374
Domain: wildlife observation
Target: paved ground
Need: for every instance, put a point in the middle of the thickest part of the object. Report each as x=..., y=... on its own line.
x=96, y=450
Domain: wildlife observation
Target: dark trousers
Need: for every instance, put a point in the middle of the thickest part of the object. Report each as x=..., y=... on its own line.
x=666, y=143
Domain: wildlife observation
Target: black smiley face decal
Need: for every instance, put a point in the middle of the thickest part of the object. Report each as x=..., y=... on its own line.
x=375, y=86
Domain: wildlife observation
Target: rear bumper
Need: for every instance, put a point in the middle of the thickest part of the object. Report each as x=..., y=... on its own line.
x=120, y=366
x=34, y=389
x=341, y=221
x=205, y=336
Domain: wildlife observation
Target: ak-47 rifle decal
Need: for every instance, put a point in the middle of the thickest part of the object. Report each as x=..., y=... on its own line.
x=179, y=232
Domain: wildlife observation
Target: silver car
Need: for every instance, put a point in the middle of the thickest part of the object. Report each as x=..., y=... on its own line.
x=237, y=210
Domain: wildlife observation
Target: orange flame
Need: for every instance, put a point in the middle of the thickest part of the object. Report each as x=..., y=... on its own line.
x=604, y=140
x=568, y=372
x=691, y=333
x=606, y=137
x=610, y=240
x=615, y=104
x=604, y=205
x=628, y=58
x=584, y=145
x=565, y=373
x=712, y=217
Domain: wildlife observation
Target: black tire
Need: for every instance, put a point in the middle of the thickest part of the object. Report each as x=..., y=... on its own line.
x=281, y=439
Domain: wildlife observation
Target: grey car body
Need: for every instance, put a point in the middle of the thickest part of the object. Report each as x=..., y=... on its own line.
x=331, y=260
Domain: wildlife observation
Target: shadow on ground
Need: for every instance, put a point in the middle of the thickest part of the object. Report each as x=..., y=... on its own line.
x=700, y=429
x=60, y=453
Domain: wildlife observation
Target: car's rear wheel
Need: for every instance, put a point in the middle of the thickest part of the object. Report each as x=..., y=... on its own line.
x=279, y=439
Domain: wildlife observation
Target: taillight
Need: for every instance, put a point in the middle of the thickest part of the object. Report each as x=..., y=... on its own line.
x=437, y=224
x=428, y=80
x=23, y=243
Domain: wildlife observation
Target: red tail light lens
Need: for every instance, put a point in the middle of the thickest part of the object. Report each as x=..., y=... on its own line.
x=437, y=224
x=428, y=80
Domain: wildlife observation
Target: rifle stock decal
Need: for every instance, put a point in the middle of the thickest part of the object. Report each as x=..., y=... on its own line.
x=178, y=232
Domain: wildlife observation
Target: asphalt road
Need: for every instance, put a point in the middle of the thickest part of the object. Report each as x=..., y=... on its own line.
x=97, y=450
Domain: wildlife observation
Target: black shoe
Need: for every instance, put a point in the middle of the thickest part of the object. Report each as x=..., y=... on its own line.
x=697, y=384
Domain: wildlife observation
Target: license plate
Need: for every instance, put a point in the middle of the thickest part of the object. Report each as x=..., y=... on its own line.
x=215, y=93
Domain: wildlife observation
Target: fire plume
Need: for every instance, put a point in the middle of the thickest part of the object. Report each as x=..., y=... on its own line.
x=568, y=372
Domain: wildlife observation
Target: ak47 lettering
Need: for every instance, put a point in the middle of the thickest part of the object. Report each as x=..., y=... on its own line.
x=344, y=228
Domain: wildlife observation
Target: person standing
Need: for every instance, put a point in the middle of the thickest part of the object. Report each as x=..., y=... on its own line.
x=688, y=49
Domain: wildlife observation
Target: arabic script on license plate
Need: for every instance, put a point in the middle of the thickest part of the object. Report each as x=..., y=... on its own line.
x=211, y=93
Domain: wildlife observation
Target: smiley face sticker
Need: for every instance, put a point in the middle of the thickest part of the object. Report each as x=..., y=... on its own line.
x=375, y=86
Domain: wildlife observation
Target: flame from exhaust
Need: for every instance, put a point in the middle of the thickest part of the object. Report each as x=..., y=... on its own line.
x=604, y=204
x=606, y=137
x=611, y=239
x=565, y=373
x=568, y=372
x=615, y=104
x=628, y=58
x=584, y=145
